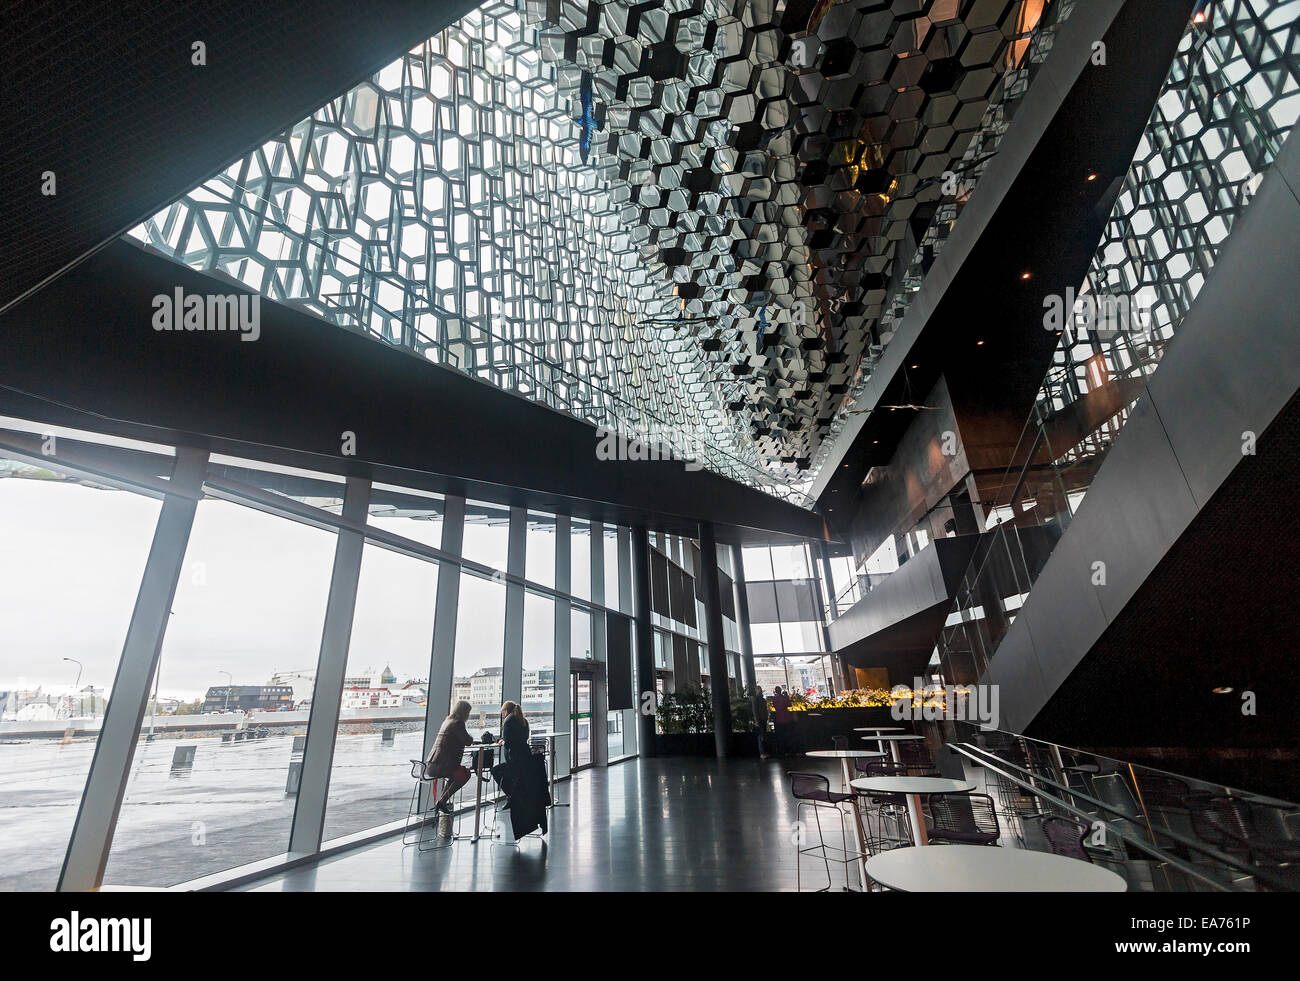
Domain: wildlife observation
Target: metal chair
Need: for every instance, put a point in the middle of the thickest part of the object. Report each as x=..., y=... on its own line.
x=1230, y=824
x=888, y=809
x=1065, y=836
x=915, y=755
x=1018, y=803
x=814, y=790
x=965, y=819
x=419, y=772
x=840, y=742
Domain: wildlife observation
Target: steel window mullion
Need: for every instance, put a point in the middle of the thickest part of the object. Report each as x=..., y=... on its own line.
x=110, y=768
x=442, y=656
x=331, y=666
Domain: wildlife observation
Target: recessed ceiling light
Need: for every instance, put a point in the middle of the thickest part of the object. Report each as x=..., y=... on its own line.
x=1026, y=274
x=1092, y=177
x=915, y=366
x=1223, y=691
x=874, y=442
x=979, y=343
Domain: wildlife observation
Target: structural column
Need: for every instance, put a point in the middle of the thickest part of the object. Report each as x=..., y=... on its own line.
x=819, y=548
x=742, y=618
x=715, y=637
x=624, y=598
x=645, y=652
x=331, y=668
x=512, y=670
x=563, y=692
x=599, y=650
x=110, y=768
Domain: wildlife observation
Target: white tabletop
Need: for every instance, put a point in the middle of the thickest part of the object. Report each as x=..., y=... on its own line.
x=911, y=785
x=872, y=739
x=843, y=754
x=879, y=729
x=987, y=868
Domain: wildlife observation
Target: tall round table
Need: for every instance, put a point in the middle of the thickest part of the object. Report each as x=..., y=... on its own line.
x=987, y=868
x=880, y=745
x=915, y=788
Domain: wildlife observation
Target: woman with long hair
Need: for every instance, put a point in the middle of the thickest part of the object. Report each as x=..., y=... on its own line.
x=514, y=732
x=448, y=749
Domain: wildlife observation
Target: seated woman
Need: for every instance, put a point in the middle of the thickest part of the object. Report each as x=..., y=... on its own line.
x=445, y=758
x=514, y=732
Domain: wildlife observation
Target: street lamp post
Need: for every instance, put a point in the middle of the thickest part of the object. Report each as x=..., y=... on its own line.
x=76, y=685
x=230, y=680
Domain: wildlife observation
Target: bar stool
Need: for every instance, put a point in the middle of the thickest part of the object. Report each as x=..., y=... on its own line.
x=814, y=790
x=892, y=828
x=422, y=778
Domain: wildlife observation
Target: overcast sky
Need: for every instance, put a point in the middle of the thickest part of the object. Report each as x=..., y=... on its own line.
x=250, y=601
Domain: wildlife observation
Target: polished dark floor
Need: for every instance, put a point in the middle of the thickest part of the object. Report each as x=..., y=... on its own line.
x=675, y=824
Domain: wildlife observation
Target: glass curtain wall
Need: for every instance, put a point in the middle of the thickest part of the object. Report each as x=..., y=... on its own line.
x=71, y=557
x=214, y=780
x=385, y=691
x=248, y=610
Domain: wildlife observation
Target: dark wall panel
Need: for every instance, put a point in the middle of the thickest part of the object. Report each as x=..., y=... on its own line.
x=618, y=661
x=659, y=583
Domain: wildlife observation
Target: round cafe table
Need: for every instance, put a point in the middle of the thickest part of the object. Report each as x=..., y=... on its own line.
x=878, y=729
x=844, y=755
x=987, y=868
x=915, y=788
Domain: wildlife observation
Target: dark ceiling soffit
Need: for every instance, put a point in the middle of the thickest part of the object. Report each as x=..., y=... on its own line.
x=106, y=97
x=84, y=349
x=1101, y=116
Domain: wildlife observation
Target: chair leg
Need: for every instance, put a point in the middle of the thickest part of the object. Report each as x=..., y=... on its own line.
x=821, y=837
x=844, y=834
x=798, y=848
x=410, y=812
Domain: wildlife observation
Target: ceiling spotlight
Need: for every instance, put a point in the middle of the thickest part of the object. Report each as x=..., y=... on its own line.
x=915, y=366
x=1092, y=177
x=979, y=343
x=1026, y=274
x=1223, y=691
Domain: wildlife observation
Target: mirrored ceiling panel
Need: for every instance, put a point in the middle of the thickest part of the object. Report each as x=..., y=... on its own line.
x=693, y=222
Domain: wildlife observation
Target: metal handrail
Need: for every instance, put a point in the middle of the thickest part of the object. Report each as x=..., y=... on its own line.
x=983, y=758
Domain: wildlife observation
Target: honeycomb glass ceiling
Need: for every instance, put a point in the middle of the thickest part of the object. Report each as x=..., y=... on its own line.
x=679, y=219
